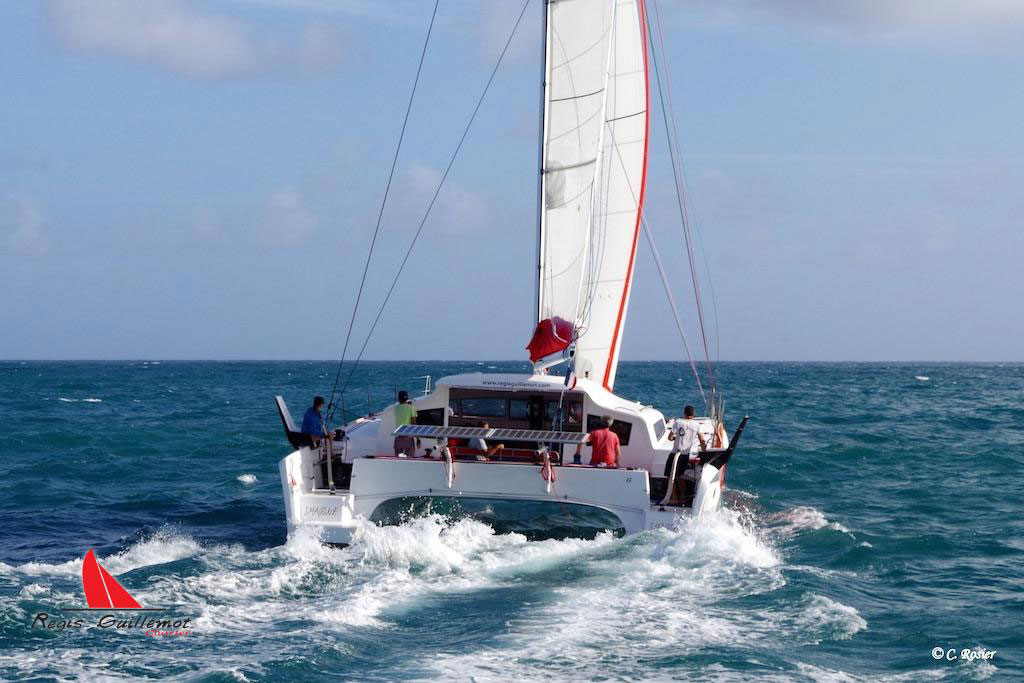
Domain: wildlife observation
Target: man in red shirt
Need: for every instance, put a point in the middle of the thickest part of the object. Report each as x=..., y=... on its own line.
x=605, y=445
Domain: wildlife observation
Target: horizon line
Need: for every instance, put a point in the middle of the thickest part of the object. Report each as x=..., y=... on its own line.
x=471, y=360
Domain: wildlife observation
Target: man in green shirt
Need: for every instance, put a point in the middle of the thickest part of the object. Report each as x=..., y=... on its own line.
x=405, y=414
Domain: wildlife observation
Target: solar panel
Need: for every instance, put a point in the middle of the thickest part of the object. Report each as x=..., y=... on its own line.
x=438, y=432
x=539, y=436
x=544, y=436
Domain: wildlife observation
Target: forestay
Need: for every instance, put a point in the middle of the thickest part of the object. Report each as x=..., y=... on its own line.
x=595, y=163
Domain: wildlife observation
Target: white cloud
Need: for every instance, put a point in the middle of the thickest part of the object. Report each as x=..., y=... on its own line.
x=23, y=225
x=387, y=12
x=488, y=22
x=285, y=220
x=278, y=220
x=458, y=209
x=178, y=36
x=968, y=18
x=497, y=22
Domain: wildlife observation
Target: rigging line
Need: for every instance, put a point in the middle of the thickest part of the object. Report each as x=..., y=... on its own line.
x=686, y=184
x=683, y=205
x=683, y=217
x=433, y=199
x=661, y=274
x=707, y=270
x=682, y=191
x=380, y=213
x=672, y=304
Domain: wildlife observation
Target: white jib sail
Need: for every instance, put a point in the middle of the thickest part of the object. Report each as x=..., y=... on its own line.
x=595, y=164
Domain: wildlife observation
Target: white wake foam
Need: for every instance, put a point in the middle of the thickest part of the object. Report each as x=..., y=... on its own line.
x=164, y=546
x=384, y=571
x=602, y=599
x=824, y=617
x=803, y=518
x=654, y=591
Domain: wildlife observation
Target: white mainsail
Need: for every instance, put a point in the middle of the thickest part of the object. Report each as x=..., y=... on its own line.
x=594, y=158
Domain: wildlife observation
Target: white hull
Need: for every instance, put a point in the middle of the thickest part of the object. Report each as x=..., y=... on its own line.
x=378, y=476
x=335, y=518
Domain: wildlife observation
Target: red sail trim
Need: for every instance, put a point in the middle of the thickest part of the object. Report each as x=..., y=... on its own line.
x=101, y=589
x=551, y=336
x=640, y=202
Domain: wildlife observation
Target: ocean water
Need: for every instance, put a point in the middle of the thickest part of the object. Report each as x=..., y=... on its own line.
x=873, y=513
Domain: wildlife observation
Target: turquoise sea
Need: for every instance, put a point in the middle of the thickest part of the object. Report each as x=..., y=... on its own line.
x=874, y=512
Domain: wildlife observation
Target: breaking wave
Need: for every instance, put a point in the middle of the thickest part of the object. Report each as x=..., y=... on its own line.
x=676, y=585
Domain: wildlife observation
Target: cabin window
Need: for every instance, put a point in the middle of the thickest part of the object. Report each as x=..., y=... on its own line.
x=659, y=429
x=620, y=427
x=432, y=416
x=572, y=414
x=518, y=409
x=483, y=407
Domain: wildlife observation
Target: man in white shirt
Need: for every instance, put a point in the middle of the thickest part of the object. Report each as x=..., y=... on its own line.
x=686, y=434
x=478, y=444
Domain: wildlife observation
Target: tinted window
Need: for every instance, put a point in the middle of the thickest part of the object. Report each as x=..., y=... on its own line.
x=518, y=409
x=572, y=413
x=484, y=407
x=621, y=428
x=659, y=429
x=434, y=416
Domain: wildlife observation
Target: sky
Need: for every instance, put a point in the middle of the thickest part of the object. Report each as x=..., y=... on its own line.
x=200, y=180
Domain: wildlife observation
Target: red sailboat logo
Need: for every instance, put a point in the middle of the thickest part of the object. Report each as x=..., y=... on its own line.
x=102, y=591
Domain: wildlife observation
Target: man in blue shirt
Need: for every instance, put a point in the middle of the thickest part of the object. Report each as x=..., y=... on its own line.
x=313, y=421
x=313, y=426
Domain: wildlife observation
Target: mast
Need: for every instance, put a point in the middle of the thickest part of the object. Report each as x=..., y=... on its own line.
x=540, y=155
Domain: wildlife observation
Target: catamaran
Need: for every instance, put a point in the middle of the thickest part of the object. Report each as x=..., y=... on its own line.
x=594, y=135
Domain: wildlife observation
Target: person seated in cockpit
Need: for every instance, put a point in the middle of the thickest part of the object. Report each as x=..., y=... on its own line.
x=479, y=444
x=606, y=449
